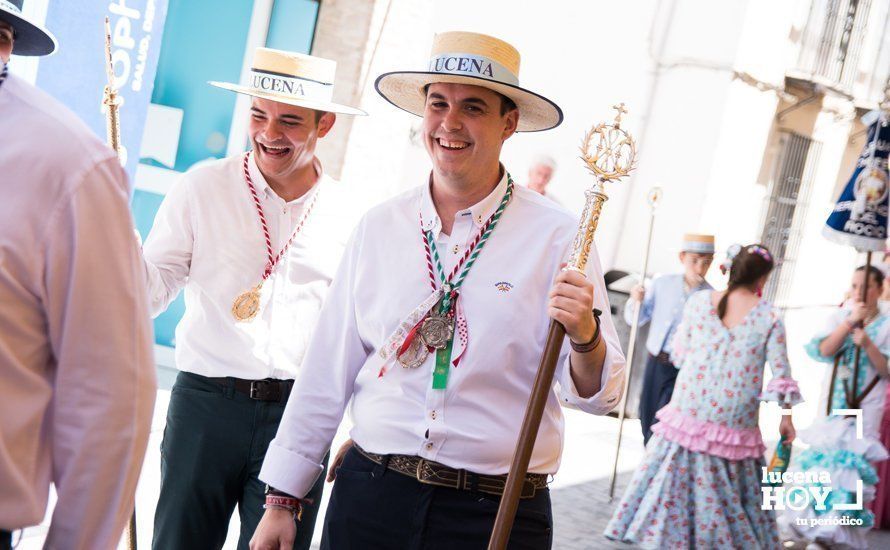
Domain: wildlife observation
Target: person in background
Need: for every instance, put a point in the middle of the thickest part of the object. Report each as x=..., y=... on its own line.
x=540, y=173
x=699, y=485
x=77, y=378
x=662, y=305
x=835, y=447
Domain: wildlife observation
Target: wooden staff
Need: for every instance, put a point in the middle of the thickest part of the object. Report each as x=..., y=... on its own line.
x=111, y=103
x=858, y=350
x=854, y=398
x=653, y=198
x=609, y=153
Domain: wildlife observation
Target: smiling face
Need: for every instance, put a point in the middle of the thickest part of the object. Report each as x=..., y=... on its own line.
x=7, y=36
x=464, y=130
x=284, y=137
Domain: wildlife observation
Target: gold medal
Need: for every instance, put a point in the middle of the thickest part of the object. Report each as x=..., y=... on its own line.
x=247, y=304
x=436, y=331
x=415, y=355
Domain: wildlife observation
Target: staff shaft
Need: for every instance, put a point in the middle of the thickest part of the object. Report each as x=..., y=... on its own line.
x=631, y=346
x=542, y=387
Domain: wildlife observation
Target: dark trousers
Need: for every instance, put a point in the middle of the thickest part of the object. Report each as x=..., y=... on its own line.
x=5, y=540
x=658, y=386
x=372, y=508
x=214, y=444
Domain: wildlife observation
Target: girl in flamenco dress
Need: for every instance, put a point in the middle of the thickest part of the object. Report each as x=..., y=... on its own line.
x=834, y=446
x=699, y=485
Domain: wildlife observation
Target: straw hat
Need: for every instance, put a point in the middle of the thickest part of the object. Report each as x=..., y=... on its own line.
x=292, y=78
x=698, y=243
x=30, y=38
x=476, y=59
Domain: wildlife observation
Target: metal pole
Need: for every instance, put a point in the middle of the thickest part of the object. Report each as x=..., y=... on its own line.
x=653, y=198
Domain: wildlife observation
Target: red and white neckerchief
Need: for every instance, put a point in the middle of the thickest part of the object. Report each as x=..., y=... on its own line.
x=246, y=305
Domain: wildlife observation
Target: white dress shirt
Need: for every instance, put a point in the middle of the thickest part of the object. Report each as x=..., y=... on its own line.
x=207, y=237
x=474, y=423
x=77, y=380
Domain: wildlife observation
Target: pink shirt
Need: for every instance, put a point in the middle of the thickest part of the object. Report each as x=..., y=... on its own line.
x=76, y=372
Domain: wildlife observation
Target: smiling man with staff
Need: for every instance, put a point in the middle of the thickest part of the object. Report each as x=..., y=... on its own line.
x=434, y=328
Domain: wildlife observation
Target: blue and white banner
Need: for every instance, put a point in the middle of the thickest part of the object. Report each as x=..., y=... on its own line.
x=859, y=218
x=76, y=75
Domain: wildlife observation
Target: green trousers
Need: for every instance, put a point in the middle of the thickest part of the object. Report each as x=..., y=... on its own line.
x=213, y=448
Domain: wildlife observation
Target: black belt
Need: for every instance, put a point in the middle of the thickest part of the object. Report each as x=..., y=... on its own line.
x=433, y=473
x=270, y=389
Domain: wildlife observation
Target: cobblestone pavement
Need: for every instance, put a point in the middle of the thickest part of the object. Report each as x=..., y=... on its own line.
x=581, y=512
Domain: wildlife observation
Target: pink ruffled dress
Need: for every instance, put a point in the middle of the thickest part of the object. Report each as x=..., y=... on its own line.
x=699, y=484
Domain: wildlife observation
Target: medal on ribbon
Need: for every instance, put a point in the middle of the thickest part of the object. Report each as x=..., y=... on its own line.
x=247, y=304
x=435, y=329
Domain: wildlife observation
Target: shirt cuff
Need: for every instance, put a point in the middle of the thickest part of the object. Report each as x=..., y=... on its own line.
x=288, y=471
x=602, y=402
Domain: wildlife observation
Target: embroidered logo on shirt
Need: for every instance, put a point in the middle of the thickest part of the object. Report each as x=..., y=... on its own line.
x=504, y=286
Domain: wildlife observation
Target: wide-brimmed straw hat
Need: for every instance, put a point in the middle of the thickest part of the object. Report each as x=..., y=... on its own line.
x=476, y=59
x=292, y=78
x=30, y=38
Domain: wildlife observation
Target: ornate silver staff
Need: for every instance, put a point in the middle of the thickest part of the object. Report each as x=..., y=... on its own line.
x=111, y=103
x=653, y=199
x=609, y=153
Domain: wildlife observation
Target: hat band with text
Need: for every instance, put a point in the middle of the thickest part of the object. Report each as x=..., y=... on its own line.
x=468, y=64
x=296, y=87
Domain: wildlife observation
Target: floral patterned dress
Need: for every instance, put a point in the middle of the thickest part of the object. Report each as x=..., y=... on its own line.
x=699, y=484
x=837, y=449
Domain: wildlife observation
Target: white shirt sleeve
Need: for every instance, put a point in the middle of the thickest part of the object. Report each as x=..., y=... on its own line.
x=612, y=382
x=324, y=387
x=104, y=384
x=168, y=248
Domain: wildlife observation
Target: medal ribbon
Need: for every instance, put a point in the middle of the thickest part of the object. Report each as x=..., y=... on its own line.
x=273, y=260
x=400, y=340
x=451, y=287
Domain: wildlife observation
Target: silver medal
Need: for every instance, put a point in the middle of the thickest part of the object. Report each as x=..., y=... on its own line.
x=437, y=330
x=415, y=355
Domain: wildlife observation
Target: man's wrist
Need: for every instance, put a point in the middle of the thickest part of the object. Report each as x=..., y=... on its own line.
x=594, y=341
x=288, y=503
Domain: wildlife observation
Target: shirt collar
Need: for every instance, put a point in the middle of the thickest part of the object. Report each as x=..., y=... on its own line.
x=262, y=186
x=480, y=211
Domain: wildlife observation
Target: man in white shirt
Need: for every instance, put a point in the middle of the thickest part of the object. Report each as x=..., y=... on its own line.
x=439, y=389
x=254, y=239
x=77, y=379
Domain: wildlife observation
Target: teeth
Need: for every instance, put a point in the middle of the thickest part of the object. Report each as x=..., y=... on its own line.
x=274, y=148
x=453, y=144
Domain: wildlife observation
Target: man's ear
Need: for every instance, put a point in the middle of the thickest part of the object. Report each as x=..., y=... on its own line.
x=325, y=123
x=511, y=120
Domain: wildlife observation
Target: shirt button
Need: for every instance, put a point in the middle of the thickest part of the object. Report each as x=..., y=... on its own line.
x=455, y=249
x=433, y=415
x=429, y=446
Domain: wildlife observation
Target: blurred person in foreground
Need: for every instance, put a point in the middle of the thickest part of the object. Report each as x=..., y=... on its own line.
x=76, y=371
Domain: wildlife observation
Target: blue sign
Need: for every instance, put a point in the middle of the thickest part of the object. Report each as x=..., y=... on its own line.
x=859, y=218
x=76, y=74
